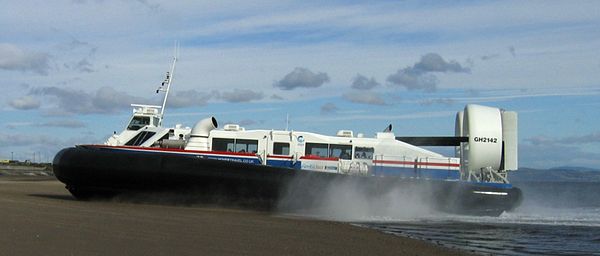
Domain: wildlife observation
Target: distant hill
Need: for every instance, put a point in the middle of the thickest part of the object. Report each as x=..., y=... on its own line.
x=557, y=174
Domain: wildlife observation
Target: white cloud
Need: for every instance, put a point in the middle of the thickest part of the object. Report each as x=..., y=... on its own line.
x=190, y=98
x=361, y=82
x=571, y=140
x=420, y=77
x=241, y=95
x=301, y=78
x=25, y=103
x=386, y=117
x=15, y=58
x=548, y=156
x=363, y=97
x=329, y=108
x=104, y=100
x=62, y=123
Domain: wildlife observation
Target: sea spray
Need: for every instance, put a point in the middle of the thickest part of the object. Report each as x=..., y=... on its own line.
x=556, y=218
x=345, y=199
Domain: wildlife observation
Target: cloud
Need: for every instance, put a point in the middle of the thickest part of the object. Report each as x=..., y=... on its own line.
x=150, y=6
x=413, y=80
x=25, y=103
x=540, y=140
x=433, y=62
x=247, y=122
x=83, y=66
x=147, y=4
x=77, y=48
x=241, y=95
x=328, y=108
x=581, y=139
x=104, y=100
x=419, y=77
x=14, y=58
x=74, y=44
x=547, y=156
x=276, y=97
x=441, y=101
x=489, y=57
x=63, y=123
x=361, y=82
x=370, y=98
x=110, y=99
x=12, y=139
x=512, y=51
x=190, y=98
x=301, y=78
x=376, y=116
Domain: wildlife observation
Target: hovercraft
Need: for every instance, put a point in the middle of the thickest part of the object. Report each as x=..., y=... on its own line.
x=267, y=164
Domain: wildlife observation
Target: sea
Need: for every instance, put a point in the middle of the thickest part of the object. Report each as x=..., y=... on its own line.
x=555, y=218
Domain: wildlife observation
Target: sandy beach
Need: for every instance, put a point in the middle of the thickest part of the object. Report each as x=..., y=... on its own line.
x=39, y=217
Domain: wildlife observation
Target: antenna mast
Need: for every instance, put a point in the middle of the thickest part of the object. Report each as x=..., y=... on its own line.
x=287, y=121
x=166, y=85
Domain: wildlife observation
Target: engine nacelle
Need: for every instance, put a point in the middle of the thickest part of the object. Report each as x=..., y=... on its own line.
x=492, y=134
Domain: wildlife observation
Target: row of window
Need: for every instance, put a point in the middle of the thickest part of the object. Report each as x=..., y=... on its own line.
x=329, y=150
x=283, y=148
x=235, y=145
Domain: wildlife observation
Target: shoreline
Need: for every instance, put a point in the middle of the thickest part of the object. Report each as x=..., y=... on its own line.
x=39, y=216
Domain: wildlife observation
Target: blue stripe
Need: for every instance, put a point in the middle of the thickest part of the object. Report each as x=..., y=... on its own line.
x=233, y=159
x=283, y=163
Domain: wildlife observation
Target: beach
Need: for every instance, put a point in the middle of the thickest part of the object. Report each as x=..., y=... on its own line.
x=39, y=217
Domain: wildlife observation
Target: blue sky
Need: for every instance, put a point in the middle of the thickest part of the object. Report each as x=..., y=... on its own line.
x=70, y=69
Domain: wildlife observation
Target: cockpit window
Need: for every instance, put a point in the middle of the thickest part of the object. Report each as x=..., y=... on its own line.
x=138, y=122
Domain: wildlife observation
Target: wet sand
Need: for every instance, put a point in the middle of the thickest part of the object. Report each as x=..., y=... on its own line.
x=39, y=217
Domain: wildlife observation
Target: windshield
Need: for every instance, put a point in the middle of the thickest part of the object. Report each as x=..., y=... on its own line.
x=138, y=122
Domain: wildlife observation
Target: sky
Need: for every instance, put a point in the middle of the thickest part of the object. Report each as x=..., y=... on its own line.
x=69, y=70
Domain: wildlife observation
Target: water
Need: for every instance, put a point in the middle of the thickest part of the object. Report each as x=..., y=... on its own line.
x=554, y=219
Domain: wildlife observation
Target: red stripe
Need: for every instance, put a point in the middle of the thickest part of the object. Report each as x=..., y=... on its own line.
x=313, y=157
x=416, y=163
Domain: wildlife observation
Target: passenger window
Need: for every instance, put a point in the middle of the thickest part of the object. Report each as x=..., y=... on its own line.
x=340, y=151
x=280, y=148
x=317, y=149
x=246, y=146
x=363, y=153
x=219, y=144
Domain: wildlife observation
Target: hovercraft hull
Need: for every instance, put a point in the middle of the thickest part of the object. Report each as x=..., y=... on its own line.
x=87, y=171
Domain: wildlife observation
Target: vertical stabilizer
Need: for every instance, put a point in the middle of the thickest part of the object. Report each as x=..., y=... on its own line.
x=510, y=138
